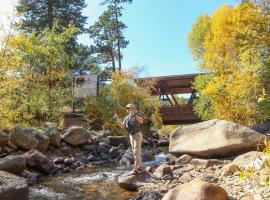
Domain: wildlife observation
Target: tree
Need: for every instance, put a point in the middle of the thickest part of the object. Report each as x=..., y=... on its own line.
x=108, y=35
x=36, y=15
x=236, y=52
x=34, y=75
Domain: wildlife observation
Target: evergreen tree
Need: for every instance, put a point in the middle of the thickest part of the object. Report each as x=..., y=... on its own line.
x=108, y=34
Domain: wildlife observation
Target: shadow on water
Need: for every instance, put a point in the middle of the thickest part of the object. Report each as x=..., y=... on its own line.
x=92, y=183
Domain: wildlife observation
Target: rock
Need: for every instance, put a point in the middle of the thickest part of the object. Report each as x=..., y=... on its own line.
x=163, y=143
x=103, y=149
x=187, y=177
x=75, y=136
x=251, y=159
x=196, y=190
x=163, y=170
x=128, y=158
x=43, y=141
x=59, y=160
x=11, y=145
x=183, y=160
x=205, y=162
x=92, y=148
x=12, y=164
x=117, y=140
x=170, y=159
x=30, y=177
x=24, y=138
x=133, y=182
x=69, y=161
x=228, y=169
x=54, y=137
x=66, y=150
x=261, y=128
x=13, y=187
x=214, y=138
x=149, y=195
x=4, y=137
x=114, y=152
x=37, y=160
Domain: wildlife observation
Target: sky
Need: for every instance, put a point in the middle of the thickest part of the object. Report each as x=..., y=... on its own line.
x=157, y=31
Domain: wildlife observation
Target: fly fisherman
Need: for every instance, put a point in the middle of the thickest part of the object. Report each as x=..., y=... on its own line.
x=132, y=124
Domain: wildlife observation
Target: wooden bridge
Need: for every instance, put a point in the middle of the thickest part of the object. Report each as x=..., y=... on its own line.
x=167, y=88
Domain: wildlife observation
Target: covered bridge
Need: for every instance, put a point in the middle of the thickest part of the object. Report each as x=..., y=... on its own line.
x=168, y=88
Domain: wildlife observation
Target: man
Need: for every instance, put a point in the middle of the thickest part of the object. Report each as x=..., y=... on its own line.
x=132, y=123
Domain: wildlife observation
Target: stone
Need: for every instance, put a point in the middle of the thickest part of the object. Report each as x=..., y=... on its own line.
x=13, y=187
x=4, y=138
x=214, y=138
x=187, y=177
x=128, y=157
x=117, y=140
x=92, y=148
x=196, y=190
x=254, y=159
x=134, y=182
x=54, y=136
x=163, y=170
x=183, y=160
x=11, y=145
x=75, y=136
x=149, y=195
x=69, y=161
x=13, y=164
x=39, y=161
x=114, y=152
x=24, y=138
x=205, y=162
x=66, y=150
x=30, y=177
x=261, y=127
x=228, y=169
x=163, y=143
x=43, y=141
x=59, y=160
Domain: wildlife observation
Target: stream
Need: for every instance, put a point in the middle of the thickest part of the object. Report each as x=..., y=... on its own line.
x=92, y=183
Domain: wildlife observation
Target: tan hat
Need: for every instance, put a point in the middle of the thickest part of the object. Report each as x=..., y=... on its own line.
x=130, y=105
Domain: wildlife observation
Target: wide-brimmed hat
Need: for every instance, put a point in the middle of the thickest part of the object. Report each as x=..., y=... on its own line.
x=130, y=105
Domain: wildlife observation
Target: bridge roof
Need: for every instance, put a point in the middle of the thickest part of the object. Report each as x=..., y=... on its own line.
x=175, y=84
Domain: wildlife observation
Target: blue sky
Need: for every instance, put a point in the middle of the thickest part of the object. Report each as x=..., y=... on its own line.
x=157, y=31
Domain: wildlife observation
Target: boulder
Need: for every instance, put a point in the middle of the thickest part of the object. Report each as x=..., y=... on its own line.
x=4, y=137
x=163, y=143
x=133, y=182
x=261, y=128
x=24, y=138
x=196, y=190
x=214, y=138
x=39, y=161
x=13, y=187
x=13, y=164
x=163, y=170
x=31, y=178
x=183, y=160
x=75, y=136
x=43, y=141
x=117, y=140
x=54, y=137
x=254, y=159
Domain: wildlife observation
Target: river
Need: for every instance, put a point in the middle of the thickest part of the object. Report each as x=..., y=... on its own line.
x=92, y=183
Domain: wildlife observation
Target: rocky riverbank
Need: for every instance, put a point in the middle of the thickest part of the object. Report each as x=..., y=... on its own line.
x=196, y=176
x=29, y=154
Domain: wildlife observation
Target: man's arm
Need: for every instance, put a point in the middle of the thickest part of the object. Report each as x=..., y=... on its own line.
x=139, y=118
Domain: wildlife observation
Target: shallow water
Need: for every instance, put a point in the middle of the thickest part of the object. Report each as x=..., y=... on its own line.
x=92, y=183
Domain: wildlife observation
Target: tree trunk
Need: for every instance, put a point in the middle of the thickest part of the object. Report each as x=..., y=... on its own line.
x=50, y=13
x=118, y=39
x=113, y=61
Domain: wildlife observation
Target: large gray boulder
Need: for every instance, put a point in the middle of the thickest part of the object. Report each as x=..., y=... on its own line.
x=24, y=138
x=196, y=190
x=75, y=136
x=214, y=138
x=54, y=136
x=43, y=141
x=117, y=140
x=13, y=187
x=13, y=164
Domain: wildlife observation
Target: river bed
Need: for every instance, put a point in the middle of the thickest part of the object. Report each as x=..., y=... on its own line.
x=92, y=183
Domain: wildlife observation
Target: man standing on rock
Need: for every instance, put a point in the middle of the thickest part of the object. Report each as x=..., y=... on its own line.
x=132, y=124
